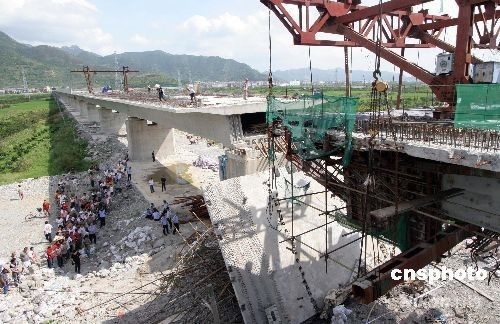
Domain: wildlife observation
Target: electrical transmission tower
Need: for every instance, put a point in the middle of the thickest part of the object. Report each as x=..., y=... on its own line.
x=25, y=82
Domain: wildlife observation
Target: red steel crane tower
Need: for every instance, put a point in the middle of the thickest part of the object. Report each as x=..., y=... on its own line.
x=397, y=24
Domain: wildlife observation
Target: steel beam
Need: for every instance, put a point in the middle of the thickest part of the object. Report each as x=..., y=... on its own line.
x=454, y=21
x=385, y=213
x=413, y=69
x=378, y=281
x=426, y=37
x=376, y=10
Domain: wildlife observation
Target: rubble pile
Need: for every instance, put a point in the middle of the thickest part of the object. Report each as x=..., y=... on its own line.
x=136, y=239
x=206, y=163
x=197, y=290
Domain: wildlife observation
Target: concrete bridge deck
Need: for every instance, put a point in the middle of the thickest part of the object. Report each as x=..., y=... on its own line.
x=221, y=119
x=217, y=119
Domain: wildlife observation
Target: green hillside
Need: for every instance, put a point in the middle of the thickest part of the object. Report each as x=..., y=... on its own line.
x=50, y=66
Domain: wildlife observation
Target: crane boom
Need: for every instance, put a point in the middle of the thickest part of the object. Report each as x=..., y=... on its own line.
x=399, y=22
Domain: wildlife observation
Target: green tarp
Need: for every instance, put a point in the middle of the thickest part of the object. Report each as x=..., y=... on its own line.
x=309, y=118
x=478, y=106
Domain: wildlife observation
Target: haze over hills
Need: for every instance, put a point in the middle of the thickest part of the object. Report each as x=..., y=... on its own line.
x=47, y=65
x=334, y=75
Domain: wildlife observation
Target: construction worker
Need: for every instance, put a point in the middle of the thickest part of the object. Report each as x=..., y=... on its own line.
x=192, y=93
x=160, y=93
x=245, y=89
x=149, y=88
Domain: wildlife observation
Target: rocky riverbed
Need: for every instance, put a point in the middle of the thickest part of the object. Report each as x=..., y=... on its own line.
x=123, y=269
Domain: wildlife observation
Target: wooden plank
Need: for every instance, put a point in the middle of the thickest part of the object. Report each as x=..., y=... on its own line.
x=387, y=212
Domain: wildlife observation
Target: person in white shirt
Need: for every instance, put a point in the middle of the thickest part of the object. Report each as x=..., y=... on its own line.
x=47, y=230
x=156, y=215
x=92, y=229
x=102, y=217
x=62, y=199
x=151, y=185
x=175, y=220
x=166, y=206
x=192, y=93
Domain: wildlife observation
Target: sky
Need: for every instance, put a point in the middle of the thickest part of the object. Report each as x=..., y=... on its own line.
x=235, y=29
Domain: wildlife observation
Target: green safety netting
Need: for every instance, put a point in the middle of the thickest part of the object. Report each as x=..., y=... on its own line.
x=309, y=118
x=396, y=234
x=478, y=106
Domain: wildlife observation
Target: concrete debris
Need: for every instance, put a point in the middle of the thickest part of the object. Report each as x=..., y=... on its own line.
x=339, y=314
x=206, y=163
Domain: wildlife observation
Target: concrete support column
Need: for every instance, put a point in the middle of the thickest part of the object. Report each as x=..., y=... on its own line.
x=144, y=138
x=93, y=113
x=111, y=122
x=242, y=162
x=69, y=101
x=235, y=127
x=82, y=105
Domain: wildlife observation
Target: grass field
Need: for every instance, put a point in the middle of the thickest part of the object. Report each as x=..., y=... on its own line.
x=35, y=140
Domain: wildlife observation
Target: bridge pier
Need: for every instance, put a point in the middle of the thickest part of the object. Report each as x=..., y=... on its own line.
x=93, y=113
x=246, y=161
x=144, y=138
x=82, y=106
x=111, y=121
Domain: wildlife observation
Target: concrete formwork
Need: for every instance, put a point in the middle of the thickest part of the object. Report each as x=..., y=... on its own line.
x=111, y=122
x=144, y=138
x=480, y=203
x=265, y=273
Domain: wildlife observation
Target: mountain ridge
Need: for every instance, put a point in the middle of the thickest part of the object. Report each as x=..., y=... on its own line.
x=49, y=66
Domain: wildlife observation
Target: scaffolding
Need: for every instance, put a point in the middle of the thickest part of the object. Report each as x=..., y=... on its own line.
x=310, y=118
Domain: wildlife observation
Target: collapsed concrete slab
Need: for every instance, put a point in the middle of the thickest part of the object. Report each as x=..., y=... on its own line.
x=274, y=281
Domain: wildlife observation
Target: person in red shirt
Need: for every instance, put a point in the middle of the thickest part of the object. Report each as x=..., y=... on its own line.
x=46, y=207
x=50, y=256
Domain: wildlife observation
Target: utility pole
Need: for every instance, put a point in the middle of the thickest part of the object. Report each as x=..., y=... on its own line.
x=25, y=83
x=117, y=79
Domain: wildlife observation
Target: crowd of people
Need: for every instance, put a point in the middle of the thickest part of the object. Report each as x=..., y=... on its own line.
x=11, y=273
x=167, y=217
x=79, y=216
x=72, y=225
